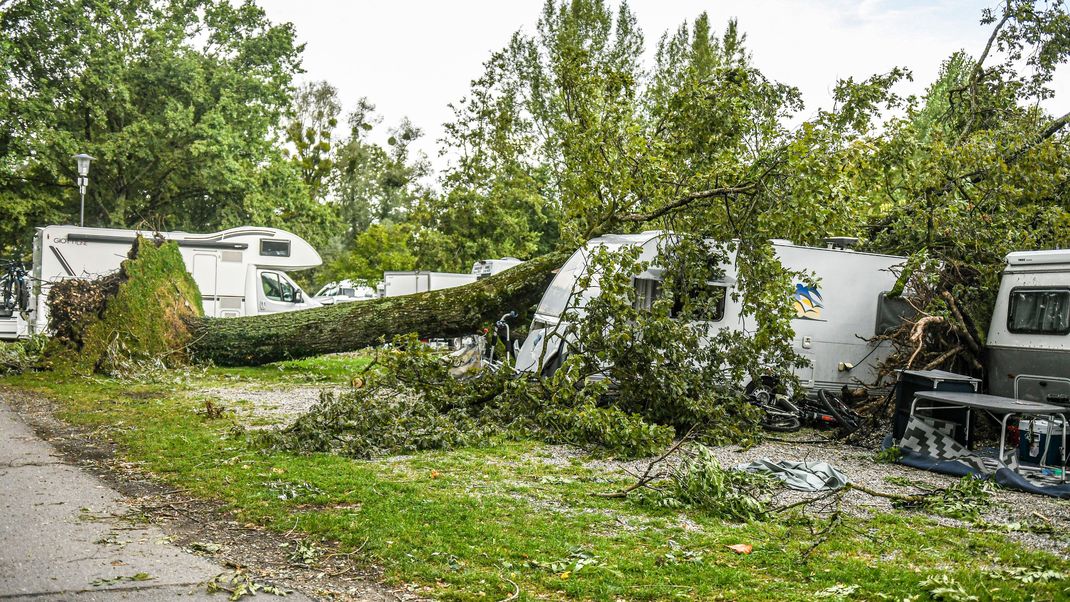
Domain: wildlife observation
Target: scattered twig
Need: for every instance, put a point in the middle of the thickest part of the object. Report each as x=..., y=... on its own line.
x=516, y=590
x=910, y=499
x=825, y=534
x=296, y=520
x=810, y=500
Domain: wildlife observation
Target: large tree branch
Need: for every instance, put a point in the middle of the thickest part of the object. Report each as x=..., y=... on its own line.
x=973, y=177
x=977, y=73
x=686, y=200
x=254, y=340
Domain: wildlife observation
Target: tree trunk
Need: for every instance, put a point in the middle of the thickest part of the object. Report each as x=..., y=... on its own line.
x=350, y=326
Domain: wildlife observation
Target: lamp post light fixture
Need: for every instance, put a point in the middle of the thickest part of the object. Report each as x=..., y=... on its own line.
x=83, y=180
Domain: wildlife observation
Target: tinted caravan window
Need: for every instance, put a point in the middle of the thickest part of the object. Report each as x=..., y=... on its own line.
x=706, y=303
x=274, y=248
x=891, y=313
x=1039, y=311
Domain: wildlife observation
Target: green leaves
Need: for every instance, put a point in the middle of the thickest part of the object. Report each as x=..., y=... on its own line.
x=181, y=130
x=702, y=483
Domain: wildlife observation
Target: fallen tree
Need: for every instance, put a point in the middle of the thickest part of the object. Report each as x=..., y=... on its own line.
x=147, y=310
x=452, y=312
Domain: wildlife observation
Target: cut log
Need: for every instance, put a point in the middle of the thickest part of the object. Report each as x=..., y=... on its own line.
x=355, y=325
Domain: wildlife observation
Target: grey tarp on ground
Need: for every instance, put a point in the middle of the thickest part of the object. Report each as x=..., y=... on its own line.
x=803, y=476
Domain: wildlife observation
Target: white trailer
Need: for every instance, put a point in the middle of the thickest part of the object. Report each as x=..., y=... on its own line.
x=240, y=271
x=834, y=322
x=396, y=284
x=490, y=267
x=1028, y=346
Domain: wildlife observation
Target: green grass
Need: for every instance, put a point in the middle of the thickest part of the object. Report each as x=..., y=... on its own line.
x=324, y=369
x=461, y=523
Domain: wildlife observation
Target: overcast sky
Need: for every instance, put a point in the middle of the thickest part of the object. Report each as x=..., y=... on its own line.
x=412, y=58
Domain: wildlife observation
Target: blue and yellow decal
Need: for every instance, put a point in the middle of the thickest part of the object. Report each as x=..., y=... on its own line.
x=808, y=302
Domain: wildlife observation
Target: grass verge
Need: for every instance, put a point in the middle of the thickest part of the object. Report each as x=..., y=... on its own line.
x=468, y=524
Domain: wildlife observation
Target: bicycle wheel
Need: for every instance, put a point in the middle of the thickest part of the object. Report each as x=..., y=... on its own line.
x=781, y=423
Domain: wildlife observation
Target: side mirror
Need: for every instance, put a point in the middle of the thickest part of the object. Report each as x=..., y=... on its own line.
x=327, y=301
x=298, y=297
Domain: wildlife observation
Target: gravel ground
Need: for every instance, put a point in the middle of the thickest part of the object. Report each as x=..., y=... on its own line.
x=267, y=407
x=857, y=464
x=281, y=405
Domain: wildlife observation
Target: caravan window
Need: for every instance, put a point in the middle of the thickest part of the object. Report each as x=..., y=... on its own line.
x=708, y=302
x=275, y=288
x=891, y=313
x=647, y=290
x=1039, y=311
x=274, y=248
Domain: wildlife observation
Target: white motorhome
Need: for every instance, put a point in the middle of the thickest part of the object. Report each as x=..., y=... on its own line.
x=1028, y=346
x=240, y=271
x=834, y=319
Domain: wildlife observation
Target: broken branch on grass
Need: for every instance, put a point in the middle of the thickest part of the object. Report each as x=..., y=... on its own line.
x=824, y=534
x=649, y=475
x=910, y=499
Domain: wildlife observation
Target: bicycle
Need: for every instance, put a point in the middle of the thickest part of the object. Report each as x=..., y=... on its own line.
x=502, y=325
x=781, y=414
x=14, y=289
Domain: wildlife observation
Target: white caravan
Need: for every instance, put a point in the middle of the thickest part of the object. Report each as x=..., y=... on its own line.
x=396, y=284
x=834, y=319
x=1028, y=347
x=240, y=271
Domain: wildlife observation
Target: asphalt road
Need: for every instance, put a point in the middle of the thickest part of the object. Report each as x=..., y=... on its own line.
x=65, y=535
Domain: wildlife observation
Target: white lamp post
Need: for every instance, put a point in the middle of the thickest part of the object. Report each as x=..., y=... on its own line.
x=83, y=180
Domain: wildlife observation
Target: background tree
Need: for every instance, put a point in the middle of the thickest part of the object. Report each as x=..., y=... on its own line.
x=177, y=99
x=312, y=120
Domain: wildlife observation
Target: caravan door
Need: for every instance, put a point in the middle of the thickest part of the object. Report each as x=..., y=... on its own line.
x=206, y=274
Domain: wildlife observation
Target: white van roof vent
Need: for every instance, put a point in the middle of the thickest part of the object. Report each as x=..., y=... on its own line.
x=843, y=243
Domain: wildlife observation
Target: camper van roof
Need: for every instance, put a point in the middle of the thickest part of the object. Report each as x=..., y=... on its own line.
x=300, y=254
x=1031, y=258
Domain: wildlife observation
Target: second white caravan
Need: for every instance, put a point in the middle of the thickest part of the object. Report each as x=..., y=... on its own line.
x=835, y=320
x=240, y=271
x=1028, y=346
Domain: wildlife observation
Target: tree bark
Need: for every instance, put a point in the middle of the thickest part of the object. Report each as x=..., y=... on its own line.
x=256, y=340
